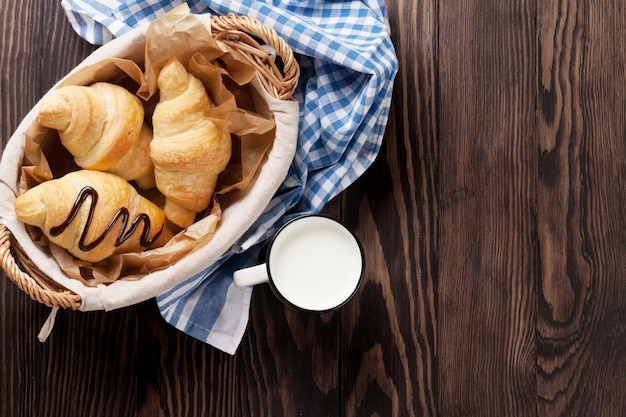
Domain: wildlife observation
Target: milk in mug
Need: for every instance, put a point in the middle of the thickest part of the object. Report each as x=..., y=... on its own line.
x=314, y=263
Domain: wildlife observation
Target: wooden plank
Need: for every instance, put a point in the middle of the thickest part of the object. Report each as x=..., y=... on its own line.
x=287, y=360
x=487, y=170
x=24, y=316
x=581, y=208
x=178, y=375
x=389, y=333
x=86, y=366
x=18, y=92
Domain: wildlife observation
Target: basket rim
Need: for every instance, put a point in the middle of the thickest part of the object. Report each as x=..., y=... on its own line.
x=26, y=281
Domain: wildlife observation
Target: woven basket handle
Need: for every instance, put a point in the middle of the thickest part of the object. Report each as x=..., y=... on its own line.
x=231, y=30
x=28, y=284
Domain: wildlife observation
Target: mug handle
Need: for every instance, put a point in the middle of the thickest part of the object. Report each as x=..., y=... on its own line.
x=251, y=276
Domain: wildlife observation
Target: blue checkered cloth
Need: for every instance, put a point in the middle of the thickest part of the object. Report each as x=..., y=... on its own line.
x=348, y=65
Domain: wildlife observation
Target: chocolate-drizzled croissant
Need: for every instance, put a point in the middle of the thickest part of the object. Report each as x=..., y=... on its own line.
x=93, y=215
x=102, y=125
x=188, y=149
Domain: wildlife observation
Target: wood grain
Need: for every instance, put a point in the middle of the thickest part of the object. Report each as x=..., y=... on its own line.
x=486, y=203
x=395, y=204
x=493, y=223
x=581, y=200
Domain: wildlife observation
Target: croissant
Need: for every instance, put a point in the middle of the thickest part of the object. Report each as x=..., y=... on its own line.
x=93, y=215
x=102, y=126
x=188, y=149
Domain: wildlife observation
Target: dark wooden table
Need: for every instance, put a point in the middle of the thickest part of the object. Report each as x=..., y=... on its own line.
x=493, y=222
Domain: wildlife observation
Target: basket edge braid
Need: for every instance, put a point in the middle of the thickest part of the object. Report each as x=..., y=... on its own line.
x=281, y=88
x=51, y=298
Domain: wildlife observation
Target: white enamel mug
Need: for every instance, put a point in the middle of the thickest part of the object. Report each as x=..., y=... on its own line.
x=314, y=263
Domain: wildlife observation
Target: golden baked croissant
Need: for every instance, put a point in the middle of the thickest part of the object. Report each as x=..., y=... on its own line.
x=93, y=215
x=102, y=125
x=188, y=149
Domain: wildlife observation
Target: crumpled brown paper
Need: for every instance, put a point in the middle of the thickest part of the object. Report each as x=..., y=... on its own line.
x=226, y=79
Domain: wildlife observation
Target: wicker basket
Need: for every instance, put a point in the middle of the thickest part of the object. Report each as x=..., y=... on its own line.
x=238, y=34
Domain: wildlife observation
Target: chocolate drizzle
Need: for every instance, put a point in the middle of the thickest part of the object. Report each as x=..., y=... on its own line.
x=123, y=213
